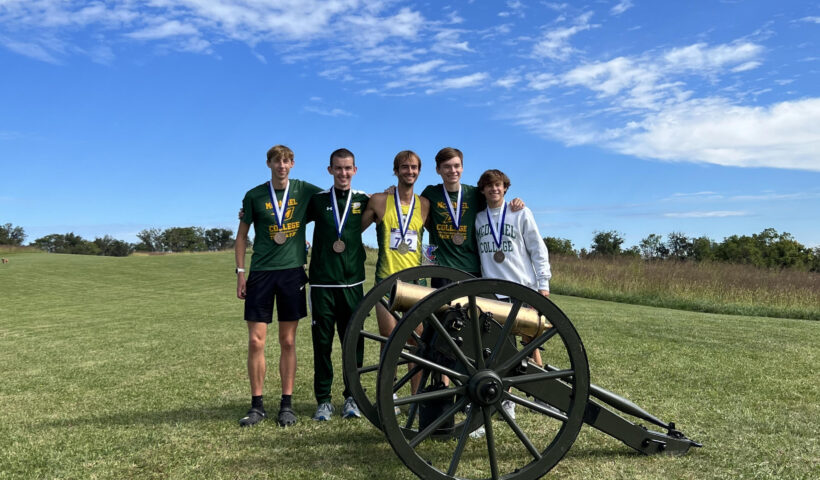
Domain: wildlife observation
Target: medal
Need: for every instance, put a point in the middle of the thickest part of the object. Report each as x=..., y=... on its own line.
x=279, y=211
x=339, y=245
x=404, y=222
x=497, y=232
x=455, y=215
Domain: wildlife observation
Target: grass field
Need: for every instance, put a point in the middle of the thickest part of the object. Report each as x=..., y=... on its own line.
x=134, y=367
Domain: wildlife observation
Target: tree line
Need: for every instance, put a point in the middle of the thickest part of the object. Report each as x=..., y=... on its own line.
x=767, y=249
x=176, y=239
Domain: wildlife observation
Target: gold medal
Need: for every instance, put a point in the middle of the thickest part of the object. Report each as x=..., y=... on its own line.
x=280, y=238
x=458, y=238
x=498, y=256
x=338, y=246
x=403, y=248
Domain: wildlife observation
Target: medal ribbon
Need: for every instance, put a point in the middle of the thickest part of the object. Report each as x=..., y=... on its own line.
x=455, y=215
x=403, y=223
x=280, y=211
x=340, y=223
x=499, y=228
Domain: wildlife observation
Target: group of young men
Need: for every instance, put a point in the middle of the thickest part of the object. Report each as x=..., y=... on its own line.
x=470, y=227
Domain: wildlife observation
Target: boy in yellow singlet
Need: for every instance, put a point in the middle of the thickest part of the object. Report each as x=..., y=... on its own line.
x=399, y=234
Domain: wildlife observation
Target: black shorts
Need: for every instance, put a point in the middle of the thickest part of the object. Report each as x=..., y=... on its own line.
x=286, y=286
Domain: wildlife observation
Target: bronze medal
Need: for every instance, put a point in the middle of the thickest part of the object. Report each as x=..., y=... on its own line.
x=458, y=238
x=498, y=256
x=338, y=246
x=280, y=238
x=403, y=248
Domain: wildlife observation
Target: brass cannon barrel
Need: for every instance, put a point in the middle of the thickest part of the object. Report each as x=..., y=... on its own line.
x=528, y=321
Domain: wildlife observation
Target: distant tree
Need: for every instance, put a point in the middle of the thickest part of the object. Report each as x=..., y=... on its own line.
x=739, y=249
x=559, y=246
x=150, y=240
x=606, y=243
x=11, y=235
x=679, y=245
x=112, y=247
x=634, y=251
x=703, y=249
x=219, y=238
x=814, y=260
x=67, y=243
x=653, y=248
x=184, y=239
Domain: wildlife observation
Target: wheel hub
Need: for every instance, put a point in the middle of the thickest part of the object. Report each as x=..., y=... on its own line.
x=485, y=388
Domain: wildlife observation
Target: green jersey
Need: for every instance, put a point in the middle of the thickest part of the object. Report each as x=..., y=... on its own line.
x=447, y=253
x=328, y=267
x=259, y=211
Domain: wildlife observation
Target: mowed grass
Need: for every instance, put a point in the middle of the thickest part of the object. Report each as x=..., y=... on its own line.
x=135, y=368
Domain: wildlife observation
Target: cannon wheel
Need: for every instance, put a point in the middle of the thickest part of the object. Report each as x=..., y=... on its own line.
x=358, y=331
x=522, y=448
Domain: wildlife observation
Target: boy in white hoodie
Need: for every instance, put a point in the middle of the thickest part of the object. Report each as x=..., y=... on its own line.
x=509, y=243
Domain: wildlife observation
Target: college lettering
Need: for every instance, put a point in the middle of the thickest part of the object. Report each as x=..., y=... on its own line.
x=484, y=247
x=509, y=231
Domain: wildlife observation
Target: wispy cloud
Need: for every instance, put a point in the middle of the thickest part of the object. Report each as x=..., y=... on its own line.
x=710, y=214
x=811, y=19
x=466, y=81
x=621, y=7
x=555, y=42
x=783, y=135
x=327, y=112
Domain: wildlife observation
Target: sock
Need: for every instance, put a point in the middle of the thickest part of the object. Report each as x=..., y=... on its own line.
x=256, y=402
x=286, y=401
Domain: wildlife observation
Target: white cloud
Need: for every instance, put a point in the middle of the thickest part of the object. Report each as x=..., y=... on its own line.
x=422, y=68
x=507, y=82
x=701, y=57
x=171, y=28
x=784, y=135
x=811, y=19
x=621, y=7
x=327, y=112
x=708, y=214
x=449, y=42
x=554, y=44
x=473, y=80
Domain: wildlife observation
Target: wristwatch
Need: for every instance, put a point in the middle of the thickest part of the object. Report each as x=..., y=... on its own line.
x=240, y=270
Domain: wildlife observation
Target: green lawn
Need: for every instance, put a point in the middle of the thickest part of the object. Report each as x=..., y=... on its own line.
x=135, y=368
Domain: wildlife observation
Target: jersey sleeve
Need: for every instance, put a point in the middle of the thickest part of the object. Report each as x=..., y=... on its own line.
x=247, y=206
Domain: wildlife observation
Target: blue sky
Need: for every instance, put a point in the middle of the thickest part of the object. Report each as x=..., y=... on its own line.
x=701, y=117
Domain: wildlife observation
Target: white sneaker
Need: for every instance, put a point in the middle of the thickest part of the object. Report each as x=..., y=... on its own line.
x=396, y=409
x=478, y=432
x=350, y=409
x=509, y=407
x=323, y=412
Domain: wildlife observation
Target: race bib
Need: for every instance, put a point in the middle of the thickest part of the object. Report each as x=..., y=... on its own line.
x=411, y=238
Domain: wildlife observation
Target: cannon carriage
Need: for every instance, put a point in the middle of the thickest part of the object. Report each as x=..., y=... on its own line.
x=460, y=354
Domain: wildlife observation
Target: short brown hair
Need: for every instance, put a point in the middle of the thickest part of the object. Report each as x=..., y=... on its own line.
x=402, y=156
x=278, y=152
x=492, y=176
x=447, y=153
x=342, y=153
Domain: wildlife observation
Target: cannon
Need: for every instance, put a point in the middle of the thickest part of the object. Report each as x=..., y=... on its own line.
x=461, y=353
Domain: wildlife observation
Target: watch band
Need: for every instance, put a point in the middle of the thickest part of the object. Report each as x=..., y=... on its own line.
x=240, y=270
